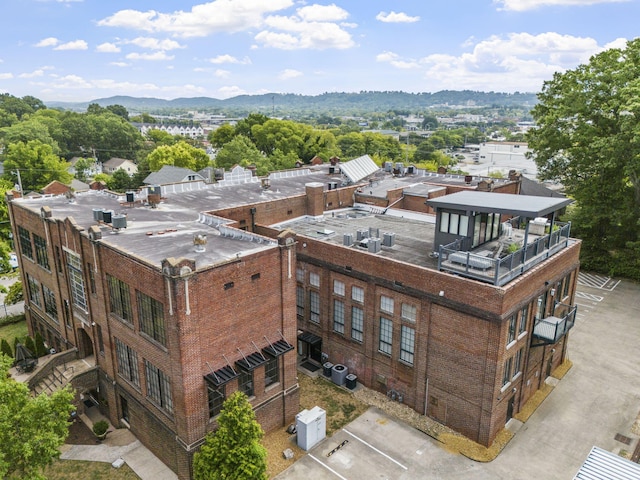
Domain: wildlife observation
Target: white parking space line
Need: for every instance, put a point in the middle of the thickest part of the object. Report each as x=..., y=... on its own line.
x=597, y=281
x=589, y=296
x=374, y=448
x=327, y=467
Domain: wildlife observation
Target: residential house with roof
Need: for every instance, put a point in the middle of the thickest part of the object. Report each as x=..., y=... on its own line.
x=114, y=164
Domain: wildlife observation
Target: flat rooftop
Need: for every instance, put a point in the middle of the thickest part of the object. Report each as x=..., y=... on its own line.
x=413, y=233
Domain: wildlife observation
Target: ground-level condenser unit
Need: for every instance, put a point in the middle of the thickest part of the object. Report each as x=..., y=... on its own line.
x=311, y=427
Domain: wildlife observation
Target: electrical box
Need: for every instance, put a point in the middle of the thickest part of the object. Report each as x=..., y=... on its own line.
x=311, y=426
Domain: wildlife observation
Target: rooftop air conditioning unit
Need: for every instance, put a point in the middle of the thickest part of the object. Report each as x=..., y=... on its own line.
x=388, y=239
x=347, y=239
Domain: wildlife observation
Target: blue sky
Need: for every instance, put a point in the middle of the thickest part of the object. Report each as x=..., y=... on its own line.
x=78, y=50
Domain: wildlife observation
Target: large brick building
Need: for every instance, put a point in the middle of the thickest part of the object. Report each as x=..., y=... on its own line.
x=406, y=279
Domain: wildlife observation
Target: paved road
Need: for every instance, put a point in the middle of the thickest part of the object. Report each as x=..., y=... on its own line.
x=597, y=399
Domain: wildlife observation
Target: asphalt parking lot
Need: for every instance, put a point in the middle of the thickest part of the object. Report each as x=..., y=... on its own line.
x=597, y=400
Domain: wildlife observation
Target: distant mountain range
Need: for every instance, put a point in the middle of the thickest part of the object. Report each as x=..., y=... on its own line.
x=326, y=103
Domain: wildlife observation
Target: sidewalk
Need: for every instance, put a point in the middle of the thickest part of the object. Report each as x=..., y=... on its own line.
x=120, y=443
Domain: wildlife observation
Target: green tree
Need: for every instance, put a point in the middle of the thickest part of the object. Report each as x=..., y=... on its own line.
x=234, y=450
x=37, y=163
x=5, y=348
x=28, y=130
x=180, y=155
x=118, y=110
x=81, y=167
x=588, y=139
x=32, y=429
x=40, y=349
x=30, y=345
x=120, y=181
x=161, y=137
x=221, y=135
x=239, y=151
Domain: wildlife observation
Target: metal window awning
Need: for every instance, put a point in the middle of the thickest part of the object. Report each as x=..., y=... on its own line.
x=251, y=361
x=221, y=376
x=278, y=348
x=309, y=338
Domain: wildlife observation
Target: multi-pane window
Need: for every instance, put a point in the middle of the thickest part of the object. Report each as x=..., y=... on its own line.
x=216, y=397
x=158, y=387
x=314, y=306
x=386, y=335
x=25, y=242
x=357, y=294
x=386, y=304
x=92, y=279
x=454, y=223
x=338, y=316
x=407, y=344
x=127, y=362
x=34, y=291
x=151, y=317
x=50, y=306
x=314, y=279
x=119, y=299
x=409, y=312
x=271, y=371
x=100, y=339
x=41, y=251
x=357, y=323
x=76, y=281
x=338, y=287
x=524, y=313
x=300, y=275
x=517, y=362
x=245, y=382
x=511, y=336
x=506, y=374
x=566, y=286
x=300, y=300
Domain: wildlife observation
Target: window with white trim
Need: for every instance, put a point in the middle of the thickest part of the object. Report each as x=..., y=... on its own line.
x=386, y=336
x=357, y=294
x=76, y=280
x=314, y=279
x=409, y=312
x=338, y=288
x=386, y=304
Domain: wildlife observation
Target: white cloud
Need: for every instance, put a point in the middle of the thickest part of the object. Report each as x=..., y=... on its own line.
x=322, y=13
x=517, y=61
x=155, y=44
x=524, y=5
x=393, y=17
x=231, y=91
x=289, y=73
x=230, y=59
x=120, y=64
x=395, y=60
x=47, y=42
x=293, y=33
x=156, y=56
x=202, y=20
x=36, y=73
x=74, y=45
x=6, y=76
x=220, y=73
x=108, y=47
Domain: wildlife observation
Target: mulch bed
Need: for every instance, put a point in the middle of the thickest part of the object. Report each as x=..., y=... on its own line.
x=80, y=434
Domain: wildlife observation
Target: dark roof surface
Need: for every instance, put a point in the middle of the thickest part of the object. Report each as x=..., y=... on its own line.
x=504, y=203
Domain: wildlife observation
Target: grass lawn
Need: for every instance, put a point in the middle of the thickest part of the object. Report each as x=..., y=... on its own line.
x=13, y=330
x=81, y=470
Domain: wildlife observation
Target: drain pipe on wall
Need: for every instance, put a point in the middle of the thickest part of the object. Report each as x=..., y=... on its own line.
x=426, y=397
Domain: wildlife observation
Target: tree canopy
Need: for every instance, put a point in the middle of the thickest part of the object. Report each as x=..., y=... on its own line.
x=234, y=450
x=180, y=154
x=32, y=429
x=37, y=163
x=588, y=139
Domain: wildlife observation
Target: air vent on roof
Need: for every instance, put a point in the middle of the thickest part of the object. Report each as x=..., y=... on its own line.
x=347, y=239
x=119, y=221
x=362, y=234
x=106, y=216
x=389, y=239
x=98, y=214
x=373, y=245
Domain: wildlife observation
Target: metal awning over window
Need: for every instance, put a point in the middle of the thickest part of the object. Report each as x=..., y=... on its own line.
x=221, y=376
x=251, y=361
x=310, y=338
x=278, y=348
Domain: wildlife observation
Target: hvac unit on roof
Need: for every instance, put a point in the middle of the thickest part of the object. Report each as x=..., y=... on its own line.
x=388, y=239
x=347, y=239
x=362, y=234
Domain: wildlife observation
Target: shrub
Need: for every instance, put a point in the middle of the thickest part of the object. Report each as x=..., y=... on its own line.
x=30, y=345
x=100, y=428
x=15, y=294
x=40, y=348
x=6, y=348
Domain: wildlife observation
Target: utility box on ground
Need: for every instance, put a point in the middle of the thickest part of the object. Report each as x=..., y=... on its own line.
x=311, y=426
